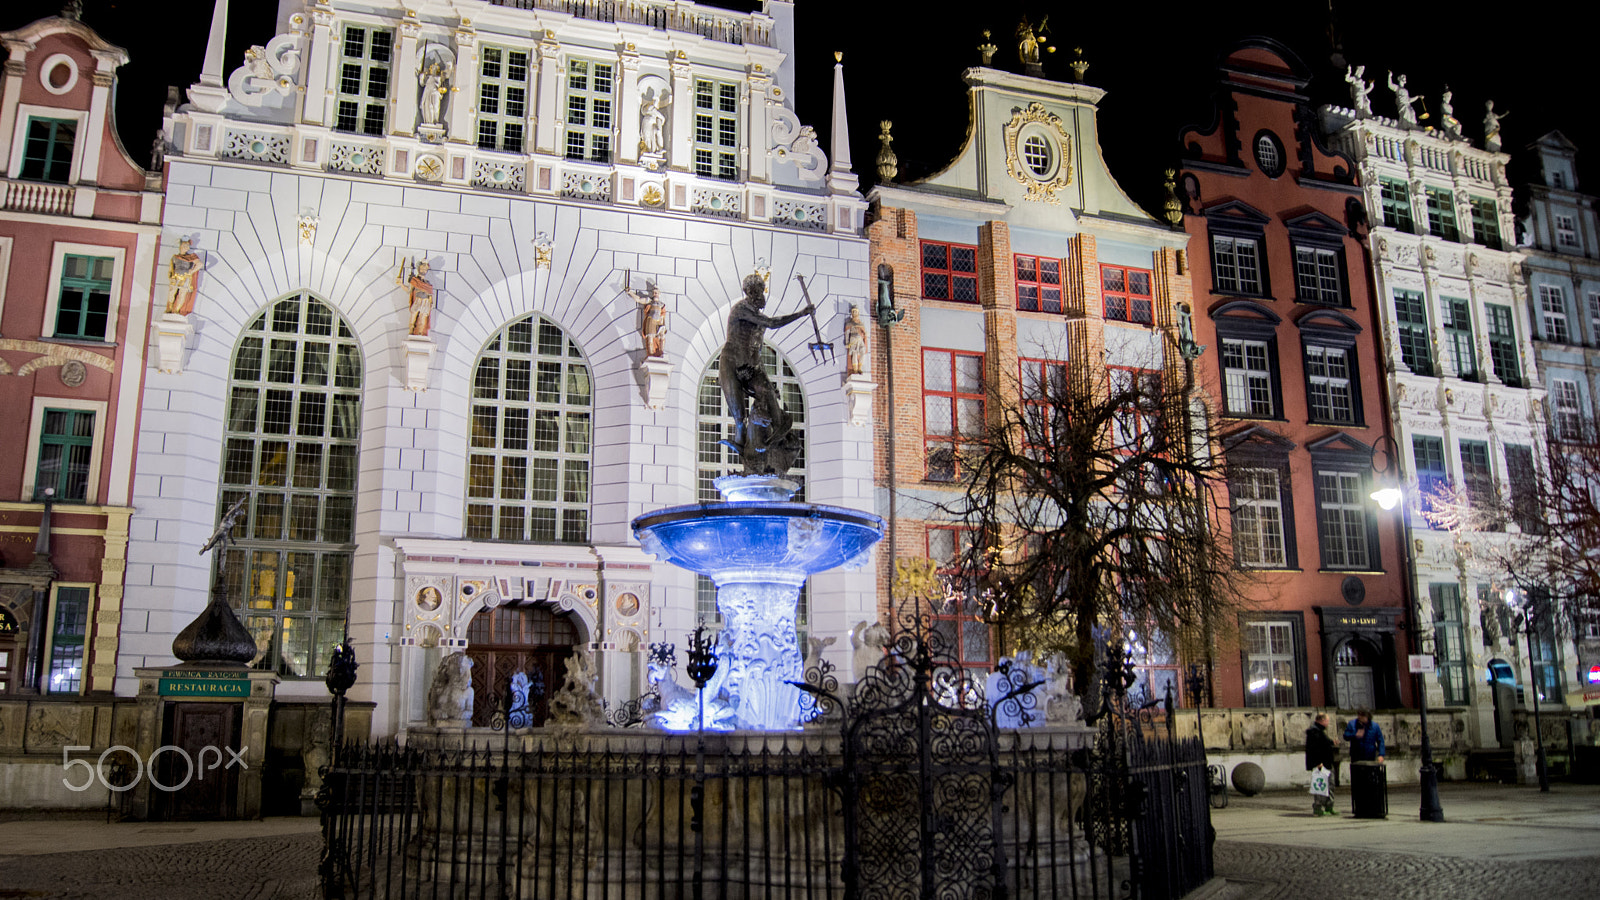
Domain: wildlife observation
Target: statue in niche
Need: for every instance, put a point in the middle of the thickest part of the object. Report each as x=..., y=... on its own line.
x=763, y=432
x=855, y=343
x=1360, y=89
x=435, y=80
x=1491, y=127
x=181, y=271
x=653, y=319
x=1447, y=114
x=421, y=294
x=653, y=120
x=1403, y=101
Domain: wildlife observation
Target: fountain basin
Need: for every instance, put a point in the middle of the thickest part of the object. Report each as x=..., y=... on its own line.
x=759, y=541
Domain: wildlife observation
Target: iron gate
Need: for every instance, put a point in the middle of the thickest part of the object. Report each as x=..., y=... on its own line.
x=908, y=792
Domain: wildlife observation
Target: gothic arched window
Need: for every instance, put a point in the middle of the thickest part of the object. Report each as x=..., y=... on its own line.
x=290, y=441
x=528, y=447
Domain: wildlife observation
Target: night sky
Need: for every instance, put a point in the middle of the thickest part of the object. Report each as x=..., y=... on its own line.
x=1156, y=62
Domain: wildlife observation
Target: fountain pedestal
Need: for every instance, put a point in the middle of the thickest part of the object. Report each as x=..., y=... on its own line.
x=758, y=549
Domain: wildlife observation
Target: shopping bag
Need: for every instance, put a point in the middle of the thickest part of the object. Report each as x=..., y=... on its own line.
x=1320, y=780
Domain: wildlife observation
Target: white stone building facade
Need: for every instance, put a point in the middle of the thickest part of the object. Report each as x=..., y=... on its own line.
x=419, y=475
x=1464, y=384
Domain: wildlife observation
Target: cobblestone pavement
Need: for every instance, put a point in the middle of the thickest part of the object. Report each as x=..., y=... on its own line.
x=1496, y=842
x=265, y=868
x=1272, y=871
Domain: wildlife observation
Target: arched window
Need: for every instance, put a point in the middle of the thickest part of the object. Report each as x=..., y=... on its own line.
x=528, y=450
x=290, y=440
x=717, y=459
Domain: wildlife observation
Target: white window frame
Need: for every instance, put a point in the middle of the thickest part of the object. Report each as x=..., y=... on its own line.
x=5, y=272
x=1553, y=313
x=1593, y=300
x=1239, y=383
x=590, y=97
x=1566, y=402
x=718, y=116
x=1264, y=559
x=363, y=99
x=1225, y=247
x=50, y=636
x=1317, y=279
x=19, y=136
x=504, y=84
x=1566, y=230
x=1324, y=354
x=1269, y=658
x=30, y=471
x=59, y=251
x=1346, y=512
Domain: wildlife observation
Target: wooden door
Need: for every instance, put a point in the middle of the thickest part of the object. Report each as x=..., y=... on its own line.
x=517, y=638
x=209, y=793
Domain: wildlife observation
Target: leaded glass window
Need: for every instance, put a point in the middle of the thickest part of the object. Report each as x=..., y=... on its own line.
x=289, y=450
x=528, y=448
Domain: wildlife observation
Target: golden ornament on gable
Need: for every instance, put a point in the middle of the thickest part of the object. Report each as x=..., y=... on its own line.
x=1038, y=152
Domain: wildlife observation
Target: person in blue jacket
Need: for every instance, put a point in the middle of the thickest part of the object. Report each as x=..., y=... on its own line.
x=1365, y=737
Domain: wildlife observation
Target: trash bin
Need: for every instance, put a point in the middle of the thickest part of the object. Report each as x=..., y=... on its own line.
x=1369, y=790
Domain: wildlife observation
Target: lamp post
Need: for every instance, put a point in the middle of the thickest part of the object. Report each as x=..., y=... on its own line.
x=1522, y=606
x=1427, y=774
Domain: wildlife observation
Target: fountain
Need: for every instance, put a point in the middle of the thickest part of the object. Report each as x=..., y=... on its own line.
x=757, y=546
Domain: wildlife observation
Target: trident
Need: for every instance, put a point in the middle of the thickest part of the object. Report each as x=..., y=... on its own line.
x=820, y=348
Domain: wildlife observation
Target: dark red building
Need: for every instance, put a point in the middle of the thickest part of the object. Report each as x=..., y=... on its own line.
x=1278, y=256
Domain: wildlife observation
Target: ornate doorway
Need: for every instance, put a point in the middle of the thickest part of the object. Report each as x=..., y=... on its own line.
x=1353, y=664
x=525, y=637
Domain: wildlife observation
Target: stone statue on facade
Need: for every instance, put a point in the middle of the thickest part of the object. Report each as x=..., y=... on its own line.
x=435, y=84
x=450, y=696
x=1447, y=114
x=855, y=343
x=653, y=121
x=421, y=295
x=1491, y=127
x=181, y=271
x=763, y=432
x=1360, y=89
x=653, y=319
x=578, y=703
x=1403, y=101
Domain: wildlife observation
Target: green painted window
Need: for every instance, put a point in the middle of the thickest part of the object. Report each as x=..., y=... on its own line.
x=1503, y=344
x=67, y=632
x=1457, y=323
x=84, y=309
x=1411, y=315
x=47, y=150
x=1449, y=642
x=66, y=444
x=1486, y=222
x=1442, y=214
x=1396, y=199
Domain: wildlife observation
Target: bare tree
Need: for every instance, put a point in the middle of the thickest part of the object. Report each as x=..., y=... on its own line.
x=1543, y=537
x=1095, y=503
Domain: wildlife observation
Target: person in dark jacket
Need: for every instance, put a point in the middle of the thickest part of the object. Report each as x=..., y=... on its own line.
x=1321, y=751
x=1365, y=737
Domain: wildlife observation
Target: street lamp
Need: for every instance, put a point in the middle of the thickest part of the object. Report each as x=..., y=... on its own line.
x=1389, y=497
x=1521, y=605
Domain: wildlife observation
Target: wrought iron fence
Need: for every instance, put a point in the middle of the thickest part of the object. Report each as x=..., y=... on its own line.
x=907, y=792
